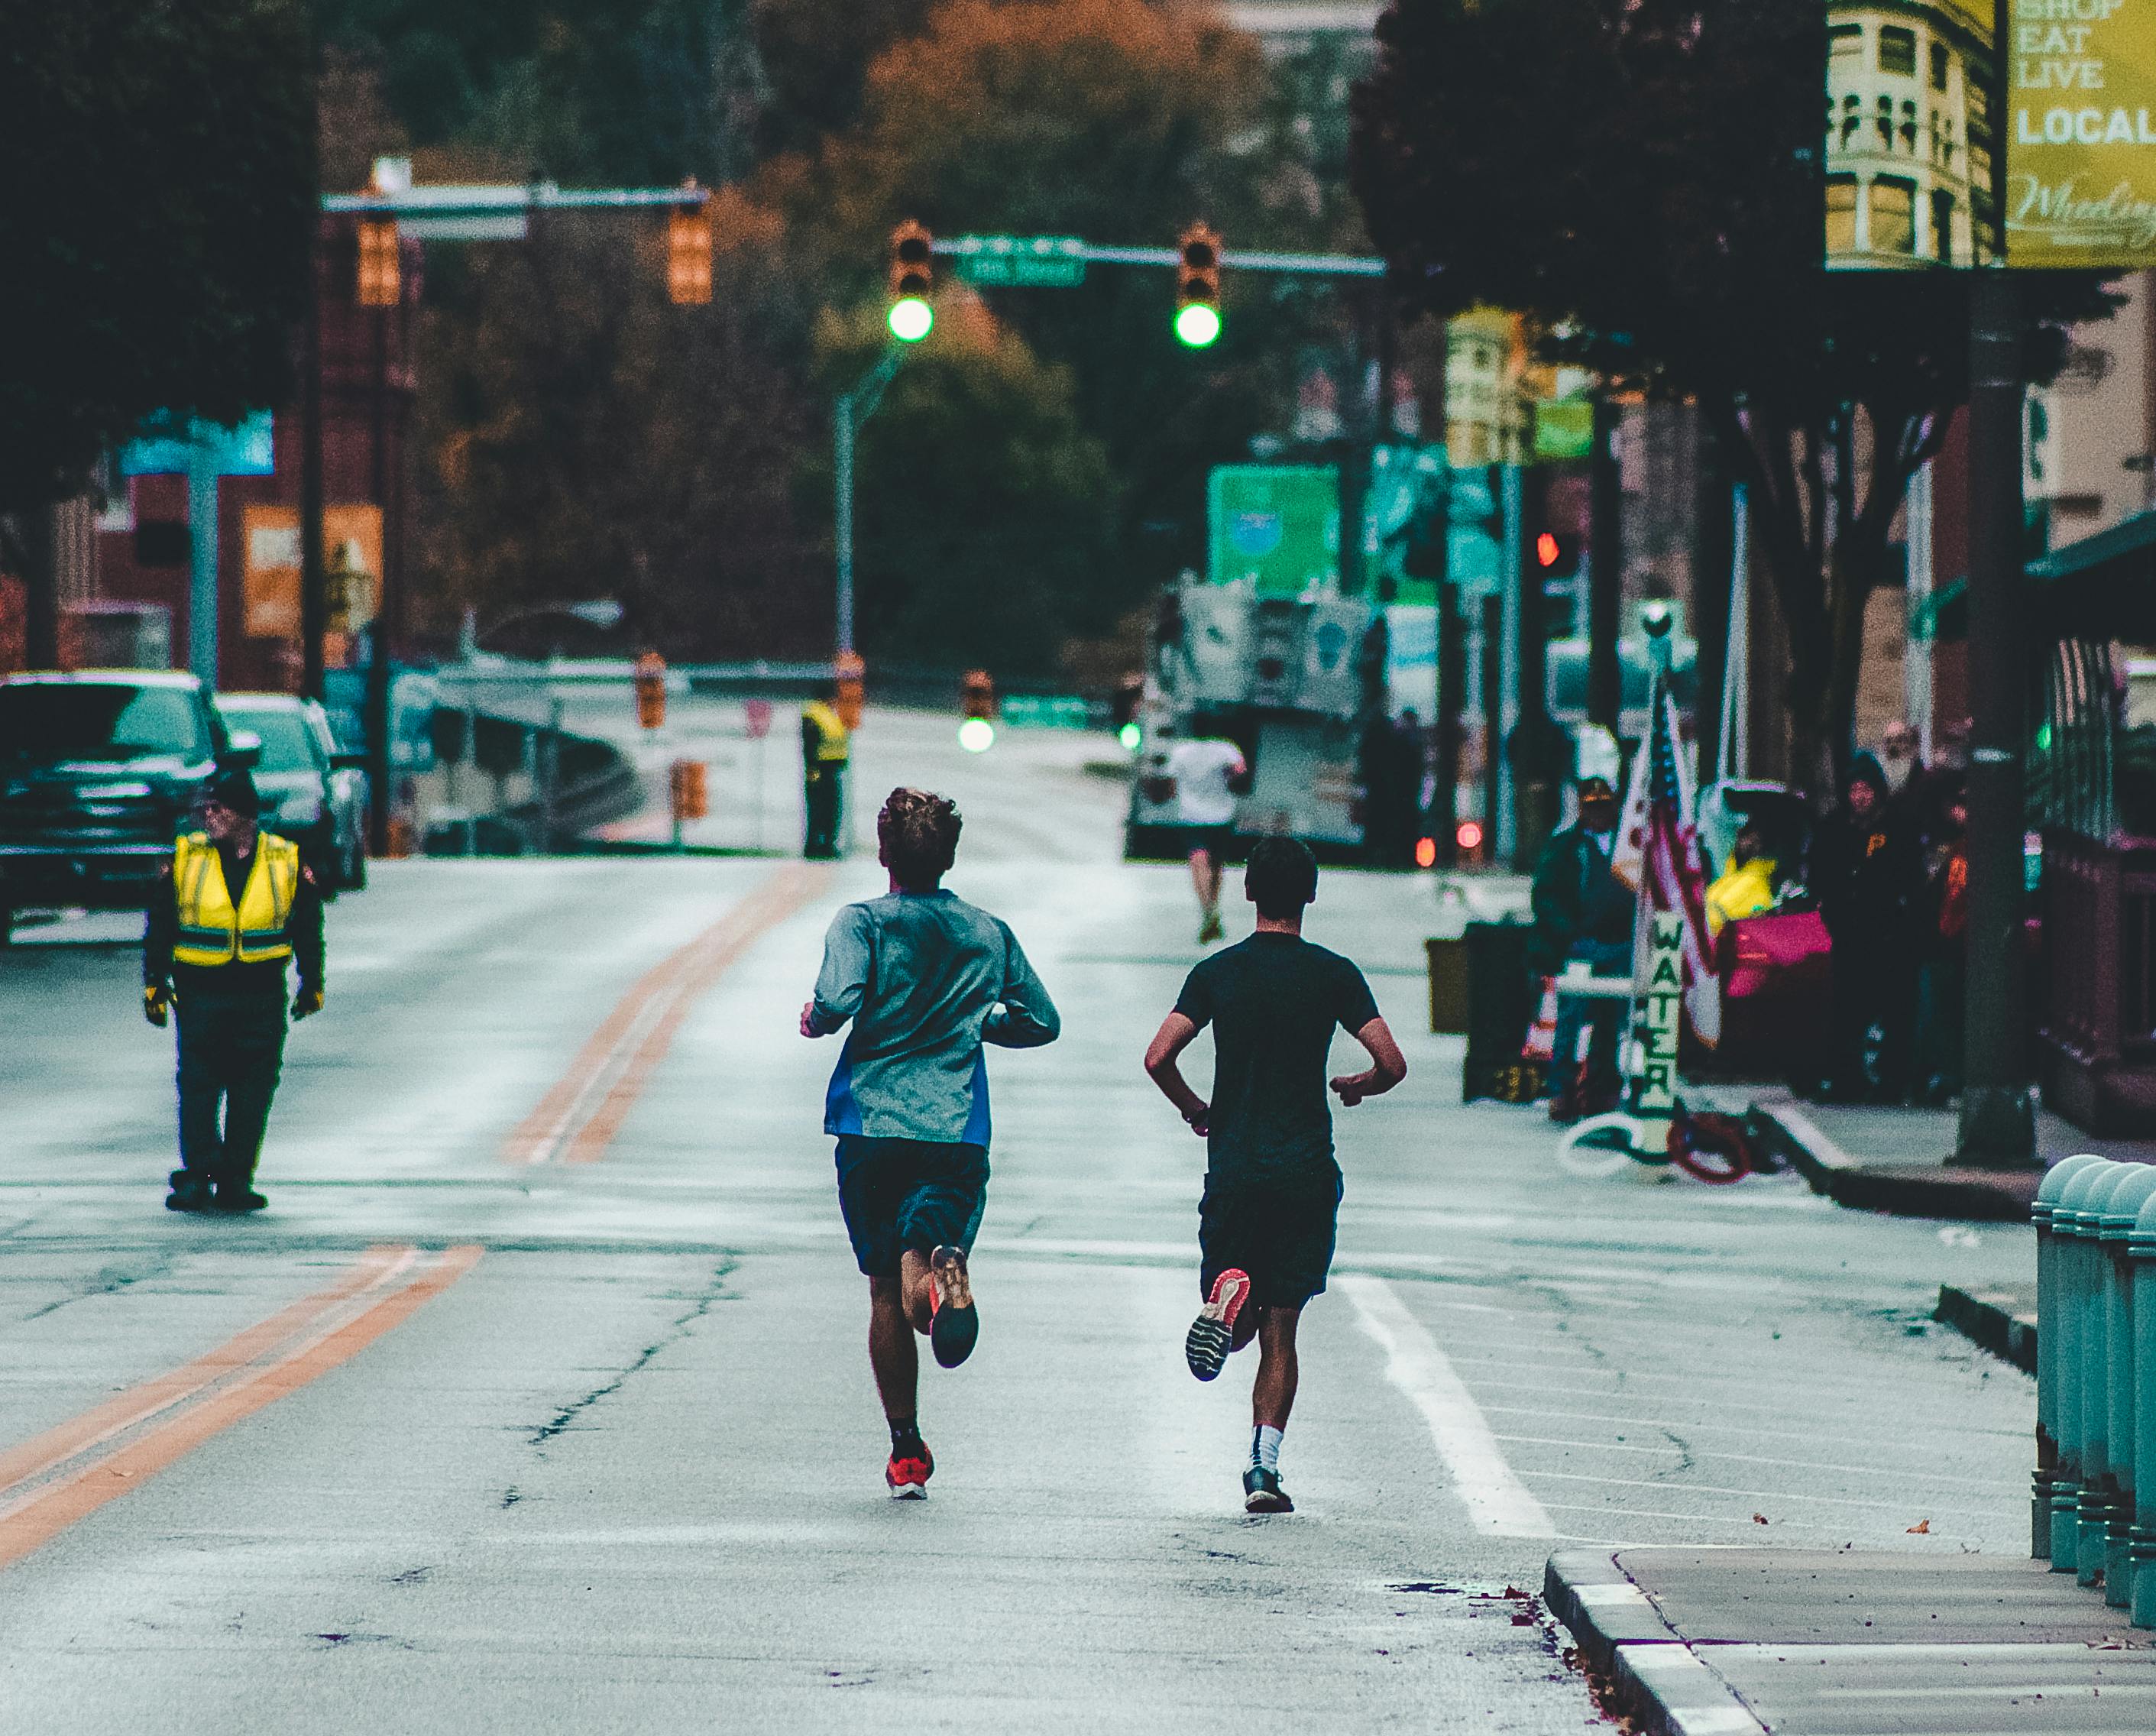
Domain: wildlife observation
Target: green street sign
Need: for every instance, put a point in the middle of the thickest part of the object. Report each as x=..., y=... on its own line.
x=1277, y=525
x=1564, y=428
x=1025, y=262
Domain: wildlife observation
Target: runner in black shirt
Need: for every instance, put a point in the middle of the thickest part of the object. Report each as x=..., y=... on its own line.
x=1272, y=1191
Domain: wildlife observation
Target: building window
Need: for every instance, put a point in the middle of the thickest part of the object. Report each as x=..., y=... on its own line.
x=1884, y=121
x=1943, y=209
x=1939, y=65
x=1893, y=215
x=1845, y=42
x=1840, y=214
x=1897, y=51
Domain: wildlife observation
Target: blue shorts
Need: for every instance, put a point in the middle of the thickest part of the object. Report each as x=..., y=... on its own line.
x=1281, y=1231
x=898, y=1194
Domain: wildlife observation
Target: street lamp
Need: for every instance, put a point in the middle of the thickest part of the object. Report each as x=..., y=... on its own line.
x=600, y=612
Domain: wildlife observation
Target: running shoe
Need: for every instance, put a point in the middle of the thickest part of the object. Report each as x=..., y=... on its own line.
x=908, y=1472
x=1211, y=929
x=1262, y=1492
x=190, y=1192
x=954, y=1325
x=1212, y=1334
x=237, y=1199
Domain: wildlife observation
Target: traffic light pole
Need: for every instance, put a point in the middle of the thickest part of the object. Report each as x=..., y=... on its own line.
x=848, y=413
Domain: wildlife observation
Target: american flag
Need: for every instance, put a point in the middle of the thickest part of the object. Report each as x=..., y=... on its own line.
x=1658, y=850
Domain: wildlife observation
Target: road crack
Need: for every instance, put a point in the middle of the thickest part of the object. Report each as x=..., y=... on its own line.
x=679, y=1328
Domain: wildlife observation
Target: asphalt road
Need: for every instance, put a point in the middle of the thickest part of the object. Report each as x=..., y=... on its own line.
x=538, y=1400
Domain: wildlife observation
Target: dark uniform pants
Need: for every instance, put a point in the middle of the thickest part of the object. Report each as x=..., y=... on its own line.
x=823, y=785
x=231, y=1047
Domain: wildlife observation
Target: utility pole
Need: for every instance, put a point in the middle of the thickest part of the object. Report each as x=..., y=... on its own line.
x=1605, y=570
x=379, y=760
x=313, y=597
x=848, y=413
x=1997, y=1125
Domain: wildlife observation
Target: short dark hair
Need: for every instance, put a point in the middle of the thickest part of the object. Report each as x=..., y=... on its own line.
x=1281, y=877
x=917, y=835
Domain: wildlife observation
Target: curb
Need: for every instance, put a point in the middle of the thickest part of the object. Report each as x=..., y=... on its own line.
x=1921, y=1190
x=1655, y=1679
x=1989, y=1319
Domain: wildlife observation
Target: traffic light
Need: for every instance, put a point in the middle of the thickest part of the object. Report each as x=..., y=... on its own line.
x=912, y=276
x=689, y=252
x=650, y=679
x=1197, y=286
x=378, y=283
x=688, y=790
x=1557, y=554
x=1129, y=700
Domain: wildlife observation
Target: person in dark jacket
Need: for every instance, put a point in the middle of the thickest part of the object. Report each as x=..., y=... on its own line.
x=1583, y=912
x=231, y=910
x=1867, y=874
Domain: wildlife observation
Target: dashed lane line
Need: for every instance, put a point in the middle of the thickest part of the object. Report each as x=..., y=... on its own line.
x=68, y=1473
x=579, y=1117
x=1498, y=1504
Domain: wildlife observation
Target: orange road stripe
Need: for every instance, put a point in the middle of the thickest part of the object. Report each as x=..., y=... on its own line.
x=782, y=899
x=639, y=1029
x=124, y=1410
x=76, y=1497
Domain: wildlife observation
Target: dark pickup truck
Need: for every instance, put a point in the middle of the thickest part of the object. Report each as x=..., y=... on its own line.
x=99, y=771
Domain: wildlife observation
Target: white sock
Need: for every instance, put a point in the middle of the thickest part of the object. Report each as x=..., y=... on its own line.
x=1264, y=1446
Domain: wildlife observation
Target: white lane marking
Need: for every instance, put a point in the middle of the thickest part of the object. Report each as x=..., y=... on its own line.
x=1496, y=1500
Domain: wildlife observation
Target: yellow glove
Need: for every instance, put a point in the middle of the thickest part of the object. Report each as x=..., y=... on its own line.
x=157, y=1002
x=308, y=1001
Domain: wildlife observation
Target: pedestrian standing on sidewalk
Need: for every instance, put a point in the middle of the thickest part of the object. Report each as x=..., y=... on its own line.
x=826, y=745
x=1205, y=772
x=1942, y=972
x=230, y=910
x=1272, y=1189
x=1868, y=875
x=1583, y=914
x=927, y=979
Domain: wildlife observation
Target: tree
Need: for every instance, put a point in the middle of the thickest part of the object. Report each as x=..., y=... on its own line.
x=1644, y=176
x=986, y=513
x=155, y=230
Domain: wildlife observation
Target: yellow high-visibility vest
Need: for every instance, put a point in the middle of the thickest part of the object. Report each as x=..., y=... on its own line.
x=213, y=930
x=831, y=747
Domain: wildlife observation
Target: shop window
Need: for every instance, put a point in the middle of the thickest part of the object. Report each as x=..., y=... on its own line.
x=1893, y=215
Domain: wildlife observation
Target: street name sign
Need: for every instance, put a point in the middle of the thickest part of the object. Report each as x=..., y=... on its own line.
x=1031, y=262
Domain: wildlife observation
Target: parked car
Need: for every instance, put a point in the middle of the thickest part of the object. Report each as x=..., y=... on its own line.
x=100, y=770
x=311, y=793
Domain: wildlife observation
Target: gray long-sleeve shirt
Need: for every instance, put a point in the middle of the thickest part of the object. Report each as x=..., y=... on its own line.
x=926, y=978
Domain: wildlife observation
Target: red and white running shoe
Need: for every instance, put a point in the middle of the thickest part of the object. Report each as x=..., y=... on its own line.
x=1212, y=1334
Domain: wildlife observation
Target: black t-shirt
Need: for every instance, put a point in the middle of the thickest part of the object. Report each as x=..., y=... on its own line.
x=1273, y=1002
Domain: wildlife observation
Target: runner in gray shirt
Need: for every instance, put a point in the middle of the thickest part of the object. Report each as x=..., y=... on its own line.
x=927, y=979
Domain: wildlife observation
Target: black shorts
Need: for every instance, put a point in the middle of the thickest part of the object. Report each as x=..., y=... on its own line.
x=1217, y=841
x=1279, y=1232
x=902, y=1194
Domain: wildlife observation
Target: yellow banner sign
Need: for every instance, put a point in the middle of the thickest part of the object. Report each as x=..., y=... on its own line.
x=351, y=549
x=2081, y=135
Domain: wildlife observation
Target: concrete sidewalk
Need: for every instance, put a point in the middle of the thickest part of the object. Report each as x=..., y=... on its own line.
x=1896, y=1160
x=1805, y=1642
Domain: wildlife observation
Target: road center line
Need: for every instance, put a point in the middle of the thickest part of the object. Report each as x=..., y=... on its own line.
x=156, y=1425
x=577, y=1119
x=1498, y=1504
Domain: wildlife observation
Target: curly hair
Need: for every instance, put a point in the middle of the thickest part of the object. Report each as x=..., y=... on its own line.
x=918, y=835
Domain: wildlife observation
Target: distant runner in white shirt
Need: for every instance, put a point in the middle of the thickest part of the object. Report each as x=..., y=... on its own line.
x=1205, y=807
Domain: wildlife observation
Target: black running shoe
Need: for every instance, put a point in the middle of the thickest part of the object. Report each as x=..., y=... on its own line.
x=190, y=1193
x=910, y=1468
x=1262, y=1492
x=237, y=1198
x=954, y=1324
x=1212, y=1334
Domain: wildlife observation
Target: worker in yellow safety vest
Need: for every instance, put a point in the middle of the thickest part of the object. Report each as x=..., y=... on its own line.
x=218, y=960
x=825, y=749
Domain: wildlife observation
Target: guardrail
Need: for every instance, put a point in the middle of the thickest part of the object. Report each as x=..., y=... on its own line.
x=2093, y=1507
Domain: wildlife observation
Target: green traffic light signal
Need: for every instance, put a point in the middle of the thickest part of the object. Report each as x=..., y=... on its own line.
x=1197, y=324
x=911, y=318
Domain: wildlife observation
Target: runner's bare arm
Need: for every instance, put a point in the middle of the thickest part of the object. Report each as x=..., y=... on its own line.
x=1387, y=1066
x=1168, y=1042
